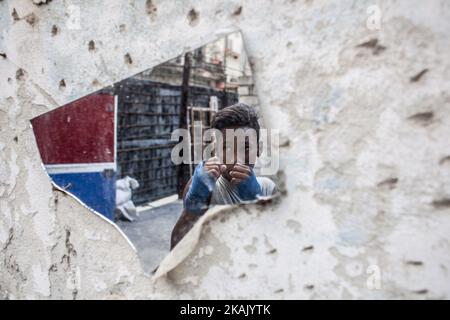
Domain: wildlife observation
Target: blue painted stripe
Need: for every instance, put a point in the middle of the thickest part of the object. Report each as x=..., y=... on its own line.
x=93, y=188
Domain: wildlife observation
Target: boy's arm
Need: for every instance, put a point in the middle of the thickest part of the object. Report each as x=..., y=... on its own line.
x=185, y=222
x=196, y=198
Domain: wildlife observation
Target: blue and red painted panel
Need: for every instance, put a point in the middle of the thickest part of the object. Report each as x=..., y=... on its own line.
x=77, y=144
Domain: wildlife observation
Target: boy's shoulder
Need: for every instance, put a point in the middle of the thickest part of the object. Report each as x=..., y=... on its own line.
x=268, y=187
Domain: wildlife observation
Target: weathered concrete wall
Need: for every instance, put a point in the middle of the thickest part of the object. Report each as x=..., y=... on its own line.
x=365, y=161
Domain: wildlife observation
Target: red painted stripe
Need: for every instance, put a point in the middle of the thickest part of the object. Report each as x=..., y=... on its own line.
x=78, y=132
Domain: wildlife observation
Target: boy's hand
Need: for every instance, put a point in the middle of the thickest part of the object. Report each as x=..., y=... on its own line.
x=214, y=168
x=203, y=182
x=239, y=173
x=244, y=178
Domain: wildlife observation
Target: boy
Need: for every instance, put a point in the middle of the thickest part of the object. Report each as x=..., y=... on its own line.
x=234, y=182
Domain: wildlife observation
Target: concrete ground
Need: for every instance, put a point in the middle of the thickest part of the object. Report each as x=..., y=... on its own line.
x=150, y=232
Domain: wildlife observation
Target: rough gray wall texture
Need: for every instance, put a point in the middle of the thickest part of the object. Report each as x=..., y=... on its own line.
x=365, y=160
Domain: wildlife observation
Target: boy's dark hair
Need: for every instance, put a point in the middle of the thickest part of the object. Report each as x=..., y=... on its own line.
x=236, y=115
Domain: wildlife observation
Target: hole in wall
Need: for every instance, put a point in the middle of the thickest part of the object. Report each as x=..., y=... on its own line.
x=193, y=17
x=237, y=11
x=91, y=45
x=54, y=30
x=115, y=150
x=128, y=59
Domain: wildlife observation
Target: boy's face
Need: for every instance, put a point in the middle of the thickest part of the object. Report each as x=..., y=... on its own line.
x=248, y=144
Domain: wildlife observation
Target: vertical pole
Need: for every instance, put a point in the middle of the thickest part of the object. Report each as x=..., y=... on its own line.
x=182, y=118
x=225, y=97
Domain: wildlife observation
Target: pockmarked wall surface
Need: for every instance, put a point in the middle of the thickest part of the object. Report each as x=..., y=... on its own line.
x=360, y=93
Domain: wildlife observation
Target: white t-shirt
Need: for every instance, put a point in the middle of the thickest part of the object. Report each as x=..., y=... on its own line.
x=226, y=193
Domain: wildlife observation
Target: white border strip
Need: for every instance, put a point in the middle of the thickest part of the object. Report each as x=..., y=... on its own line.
x=79, y=167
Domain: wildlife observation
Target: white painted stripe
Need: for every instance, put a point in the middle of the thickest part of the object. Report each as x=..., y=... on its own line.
x=79, y=167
